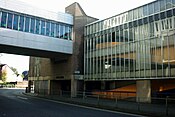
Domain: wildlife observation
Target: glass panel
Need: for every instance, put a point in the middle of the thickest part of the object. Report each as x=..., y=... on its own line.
x=3, y=19
x=37, y=26
x=62, y=31
x=162, y=15
x=70, y=33
x=162, y=5
x=21, y=23
x=48, y=28
x=140, y=12
x=130, y=15
x=66, y=32
x=43, y=27
x=156, y=7
x=32, y=25
x=15, y=22
x=169, y=4
x=52, y=29
x=9, y=22
x=135, y=13
x=27, y=22
x=151, y=8
x=57, y=31
x=145, y=10
x=156, y=17
x=169, y=13
x=173, y=2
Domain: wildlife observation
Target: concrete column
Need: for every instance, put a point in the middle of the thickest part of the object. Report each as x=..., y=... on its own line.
x=49, y=87
x=143, y=91
x=103, y=85
x=73, y=87
x=29, y=86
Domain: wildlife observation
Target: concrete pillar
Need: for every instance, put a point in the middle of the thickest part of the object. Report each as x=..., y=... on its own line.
x=73, y=87
x=143, y=91
x=49, y=87
x=29, y=86
x=103, y=85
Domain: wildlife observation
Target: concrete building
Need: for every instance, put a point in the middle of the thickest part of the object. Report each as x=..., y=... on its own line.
x=135, y=47
x=11, y=77
x=65, y=72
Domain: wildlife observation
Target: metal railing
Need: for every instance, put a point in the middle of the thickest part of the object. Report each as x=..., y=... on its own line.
x=118, y=100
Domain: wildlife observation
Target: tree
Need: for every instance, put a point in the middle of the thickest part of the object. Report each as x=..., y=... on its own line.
x=4, y=76
x=15, y=71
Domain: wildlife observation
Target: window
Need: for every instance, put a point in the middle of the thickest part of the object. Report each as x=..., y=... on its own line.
x=169, y=4
x=37, y=27
x=48, y=28
x=156, y=17
x=15, y=22
x=162, y=5
x=3, y=19
x=135, y=13
x=151, y=18
x=32, y=25
x=27, y=22
x=156, y=7
x=162, y=15
x=70, y=33
x=52, y=30
x=145, y=20
x=130, y=15
x=169, y=13
x=57, y=31
x=43, y=27
x=145, y=10
x=9, y=22
x=140, y=12
x=21, y=23
x=151, y=8
x=62, y=31
x=66, y=32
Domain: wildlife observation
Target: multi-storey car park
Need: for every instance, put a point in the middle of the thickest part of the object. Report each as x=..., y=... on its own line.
x=138, y=44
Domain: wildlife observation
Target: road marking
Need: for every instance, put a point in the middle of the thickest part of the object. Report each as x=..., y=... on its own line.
x=22, y=97
x=92, y=108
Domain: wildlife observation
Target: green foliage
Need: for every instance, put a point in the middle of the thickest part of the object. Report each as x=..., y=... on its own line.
x=4, y=76
x=14, y=70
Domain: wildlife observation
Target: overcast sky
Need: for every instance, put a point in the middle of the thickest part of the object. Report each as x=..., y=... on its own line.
x=96, y=8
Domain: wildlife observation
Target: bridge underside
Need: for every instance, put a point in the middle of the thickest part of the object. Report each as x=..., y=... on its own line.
x=33, y=52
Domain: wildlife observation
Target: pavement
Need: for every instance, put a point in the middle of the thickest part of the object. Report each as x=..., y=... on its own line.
x=158, y=109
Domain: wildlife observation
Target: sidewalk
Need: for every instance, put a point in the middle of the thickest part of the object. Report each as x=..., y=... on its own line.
x=156, y=110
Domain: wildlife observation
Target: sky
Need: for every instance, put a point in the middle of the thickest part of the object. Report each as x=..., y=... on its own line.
x=100, y=9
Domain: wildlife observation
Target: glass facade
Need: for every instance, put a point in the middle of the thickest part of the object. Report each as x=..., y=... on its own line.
x=35, y=25
x=138, y=44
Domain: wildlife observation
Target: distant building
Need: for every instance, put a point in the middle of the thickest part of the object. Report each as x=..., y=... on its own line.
x=10, y=76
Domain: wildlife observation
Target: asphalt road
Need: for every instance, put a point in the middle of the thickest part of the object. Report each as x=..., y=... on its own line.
x=14, y=104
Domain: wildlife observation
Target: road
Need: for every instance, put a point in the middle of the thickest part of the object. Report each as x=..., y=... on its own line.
x=14, y=104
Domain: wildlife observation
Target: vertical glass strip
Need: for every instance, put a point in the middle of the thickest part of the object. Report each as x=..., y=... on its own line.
x=4, y=20
x=111, y=62
x=0, y=17
x=27, y=24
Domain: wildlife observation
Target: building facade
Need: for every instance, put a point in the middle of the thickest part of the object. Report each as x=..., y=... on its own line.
x=138, y=44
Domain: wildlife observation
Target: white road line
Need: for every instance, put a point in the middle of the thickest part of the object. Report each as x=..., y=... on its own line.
x=22, y=97
x=93, y=108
